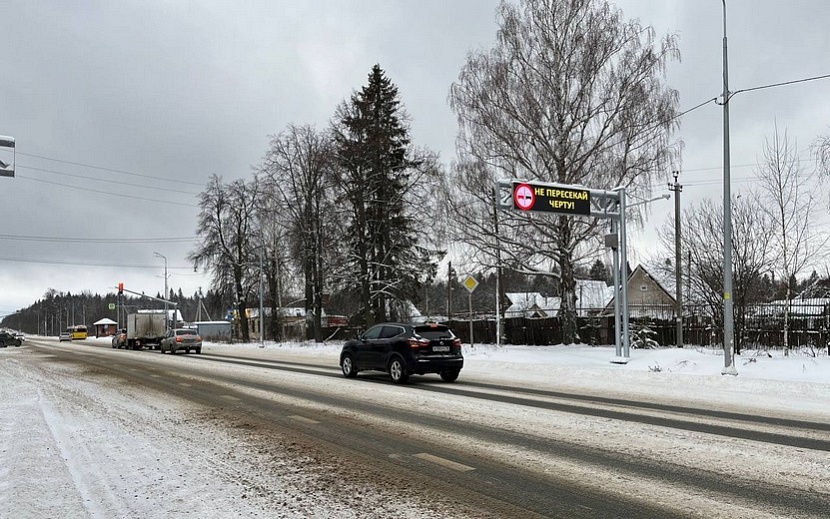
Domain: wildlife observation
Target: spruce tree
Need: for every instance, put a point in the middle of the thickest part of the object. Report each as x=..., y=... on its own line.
x=386, y=264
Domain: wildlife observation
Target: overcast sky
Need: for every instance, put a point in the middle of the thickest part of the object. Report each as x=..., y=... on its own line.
x=122, y=110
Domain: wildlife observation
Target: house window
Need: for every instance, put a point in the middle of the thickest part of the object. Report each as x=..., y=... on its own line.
x=643, y=288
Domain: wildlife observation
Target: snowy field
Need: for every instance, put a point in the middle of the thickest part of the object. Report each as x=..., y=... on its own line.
x=71, y=447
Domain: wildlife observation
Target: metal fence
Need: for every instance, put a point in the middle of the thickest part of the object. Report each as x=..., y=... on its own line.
x=759, y=327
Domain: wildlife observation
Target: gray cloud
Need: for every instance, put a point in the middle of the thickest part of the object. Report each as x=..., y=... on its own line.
x=176, y=91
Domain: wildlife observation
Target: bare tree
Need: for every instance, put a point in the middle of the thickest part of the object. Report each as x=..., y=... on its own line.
x=702, y=239
x=572, y=94
x=789, y=200
x=277, y=266
x=228, y=235
x=298, y=168
x=821, y=150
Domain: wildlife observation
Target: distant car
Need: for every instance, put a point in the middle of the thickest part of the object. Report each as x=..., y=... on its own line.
x=181, y=339
x=20, y=335
x=402, y=350
x=65, y=335
x=7, y=339
x=119, y=340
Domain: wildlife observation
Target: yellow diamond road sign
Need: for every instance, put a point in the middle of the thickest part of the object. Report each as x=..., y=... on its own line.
x=470, y=283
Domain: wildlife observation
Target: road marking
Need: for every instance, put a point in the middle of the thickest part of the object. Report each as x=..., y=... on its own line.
x=230, y=397
x=303, y=419
x=444, y=462
x=184, y=384
x=152, y=375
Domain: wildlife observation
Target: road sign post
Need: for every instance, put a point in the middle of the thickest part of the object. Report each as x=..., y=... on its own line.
x=470, y=284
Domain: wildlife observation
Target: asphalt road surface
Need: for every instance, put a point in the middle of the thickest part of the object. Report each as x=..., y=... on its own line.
x=477, y=448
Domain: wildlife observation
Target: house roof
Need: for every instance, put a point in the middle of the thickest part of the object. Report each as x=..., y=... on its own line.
x=523, y=302
x=662, y=278
x=593, y=294
x=590, y=295
x=802, y=307
x=171, y=313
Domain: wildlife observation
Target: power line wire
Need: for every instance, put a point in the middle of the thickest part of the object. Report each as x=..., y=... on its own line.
x=112, y=170
x=143, y=186
x=773, y=85
x=55, y=239
x=105, y=192
x=90, y=264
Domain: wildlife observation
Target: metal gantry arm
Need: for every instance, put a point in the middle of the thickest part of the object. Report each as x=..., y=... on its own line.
x=159, y=299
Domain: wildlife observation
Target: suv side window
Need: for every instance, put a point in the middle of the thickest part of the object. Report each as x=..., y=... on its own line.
x=372, y=333
x=391, y=331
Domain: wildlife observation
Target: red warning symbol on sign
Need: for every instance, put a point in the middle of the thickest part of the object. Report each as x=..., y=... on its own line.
x=523, y=197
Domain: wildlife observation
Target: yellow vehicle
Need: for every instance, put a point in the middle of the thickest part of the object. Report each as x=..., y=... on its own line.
x=78, y=332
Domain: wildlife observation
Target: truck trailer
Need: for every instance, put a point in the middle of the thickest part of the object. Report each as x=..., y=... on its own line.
x=145, y=329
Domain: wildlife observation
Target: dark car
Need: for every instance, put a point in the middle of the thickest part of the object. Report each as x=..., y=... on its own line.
x=7, y=339
x=181, y=339
x=402, y=350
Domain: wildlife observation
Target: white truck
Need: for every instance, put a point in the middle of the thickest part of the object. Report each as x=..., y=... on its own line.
x=145, y=329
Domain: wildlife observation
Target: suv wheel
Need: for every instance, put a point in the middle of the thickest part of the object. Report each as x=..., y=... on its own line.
x=347, y=365
x=397, y=371
x=450, y=375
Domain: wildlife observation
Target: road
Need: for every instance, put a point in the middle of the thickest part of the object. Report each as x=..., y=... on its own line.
x=474, y=448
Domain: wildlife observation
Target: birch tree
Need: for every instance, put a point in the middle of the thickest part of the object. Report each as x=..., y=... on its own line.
x=298, y=170
x=570, y=93
x=228, y=233
x=789, y=200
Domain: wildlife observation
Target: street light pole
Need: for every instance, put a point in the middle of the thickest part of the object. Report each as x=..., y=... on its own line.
x=261, y=308
x=166, y=314
x=728, y=325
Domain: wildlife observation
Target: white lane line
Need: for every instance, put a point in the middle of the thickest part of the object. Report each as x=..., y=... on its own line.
x=444, y=462
x=229, y=397
x=184, y=384
x=303, y=419
x=152, y=375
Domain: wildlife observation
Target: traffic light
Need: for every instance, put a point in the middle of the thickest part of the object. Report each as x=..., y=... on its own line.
x=120, y=288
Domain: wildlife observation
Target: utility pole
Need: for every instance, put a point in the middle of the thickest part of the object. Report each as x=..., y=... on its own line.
x=450, y=272
x=678, y=272
x=166, y=313
x=261, y=308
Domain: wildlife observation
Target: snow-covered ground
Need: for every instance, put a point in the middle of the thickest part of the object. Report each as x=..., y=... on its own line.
x=77, y=445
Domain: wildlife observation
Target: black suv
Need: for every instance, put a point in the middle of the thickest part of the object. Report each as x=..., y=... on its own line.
x=402, y=350
x=7, y=339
